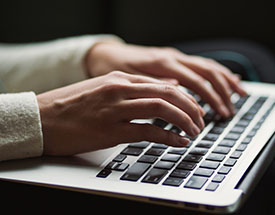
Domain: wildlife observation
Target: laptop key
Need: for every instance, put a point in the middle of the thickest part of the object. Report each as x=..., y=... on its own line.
x=186, y=165
x=230, y=162
x=215, y=157
x=121, y=166
x=159, y=146
x=192, y=158
x=221, y=150
x=120, y=158
x=224, y=170
x=212, y=186
x=218, y=178
x=164, y=165
x=241, y=147
x=236, y=154
x=142, y=144
x=177, y=151
x=199, y=151
x=227, y=143
x=155, y=151
x=243, y=123
x=173, y=181
x=238, y=129
x=247, y=140
x=135, y=171
x=196, y=182
x=160, y=123
x=132, y=151
x=148, y=159
x=210, y=164
x=154, y=176
x=232, y=136
x=204, y=172
x=211, y=137
x=205, y=144
x=180, y=173
x=104, y=173
x=216, y=130
x=175, y=129
x=170, y=157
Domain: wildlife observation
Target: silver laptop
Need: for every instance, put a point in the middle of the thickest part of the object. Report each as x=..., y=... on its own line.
x=214, y=173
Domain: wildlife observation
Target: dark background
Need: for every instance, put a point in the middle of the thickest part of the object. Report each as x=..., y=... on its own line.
x=150, y=22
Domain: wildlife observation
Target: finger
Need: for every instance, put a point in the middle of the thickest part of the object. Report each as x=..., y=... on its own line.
x=157, y=108
x=233, y=79
x=222, y=87
x=202, y=112
x=211, y=73
x=147, y=79
x=170, y=94
x=170, y=80
x=235, y=83
x=196, y=83
x=140, y=132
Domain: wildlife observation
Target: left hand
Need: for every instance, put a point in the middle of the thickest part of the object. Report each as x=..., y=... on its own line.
x=192, y=72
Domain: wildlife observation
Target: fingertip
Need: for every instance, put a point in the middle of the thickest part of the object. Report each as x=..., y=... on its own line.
x=202, y=112
x=183, y=141
x=174, y=81
x=223, y=111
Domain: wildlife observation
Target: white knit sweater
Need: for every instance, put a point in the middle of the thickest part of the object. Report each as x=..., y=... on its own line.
x=29, y=69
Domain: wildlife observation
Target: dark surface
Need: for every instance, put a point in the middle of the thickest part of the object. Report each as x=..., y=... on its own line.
x=151, y=22
x=21, y=198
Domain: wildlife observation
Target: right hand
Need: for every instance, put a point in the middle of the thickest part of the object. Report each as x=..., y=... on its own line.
x=97, y=113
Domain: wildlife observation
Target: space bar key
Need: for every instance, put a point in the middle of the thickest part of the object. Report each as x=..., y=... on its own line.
x=135, y=171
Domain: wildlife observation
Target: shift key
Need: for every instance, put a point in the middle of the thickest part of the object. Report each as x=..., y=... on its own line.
x=135, y=171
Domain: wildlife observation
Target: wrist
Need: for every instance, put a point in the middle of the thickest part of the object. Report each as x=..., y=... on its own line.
x=95, y=55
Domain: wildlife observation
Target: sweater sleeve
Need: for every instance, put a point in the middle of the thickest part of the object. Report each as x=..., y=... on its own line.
x=37, y=68
x=20, y=126
x=40, y=67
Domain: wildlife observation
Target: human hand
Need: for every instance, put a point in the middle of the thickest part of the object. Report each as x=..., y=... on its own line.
x=192, y=72
x=97, y=113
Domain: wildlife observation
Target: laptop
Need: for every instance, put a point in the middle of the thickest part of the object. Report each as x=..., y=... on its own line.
x=215, y=173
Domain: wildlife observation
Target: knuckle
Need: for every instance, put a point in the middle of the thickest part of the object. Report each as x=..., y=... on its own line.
x=160, y=57
x=116, y=73
x=169, y=90
x=157, y=105
x=114, y=90
x=198, y=81
x=195, y=110
x=211, y=73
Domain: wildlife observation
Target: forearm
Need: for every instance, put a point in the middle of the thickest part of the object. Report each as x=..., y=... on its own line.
x=43, y=66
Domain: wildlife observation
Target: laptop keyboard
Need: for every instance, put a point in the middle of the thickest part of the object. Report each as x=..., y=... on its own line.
x=208, y=157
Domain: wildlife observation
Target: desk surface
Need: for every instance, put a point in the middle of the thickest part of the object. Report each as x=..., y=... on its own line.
x=18, y=198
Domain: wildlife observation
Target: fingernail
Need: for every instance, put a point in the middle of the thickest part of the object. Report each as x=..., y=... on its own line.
x=201, y=123
x=195, y=130
x=183, y=141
